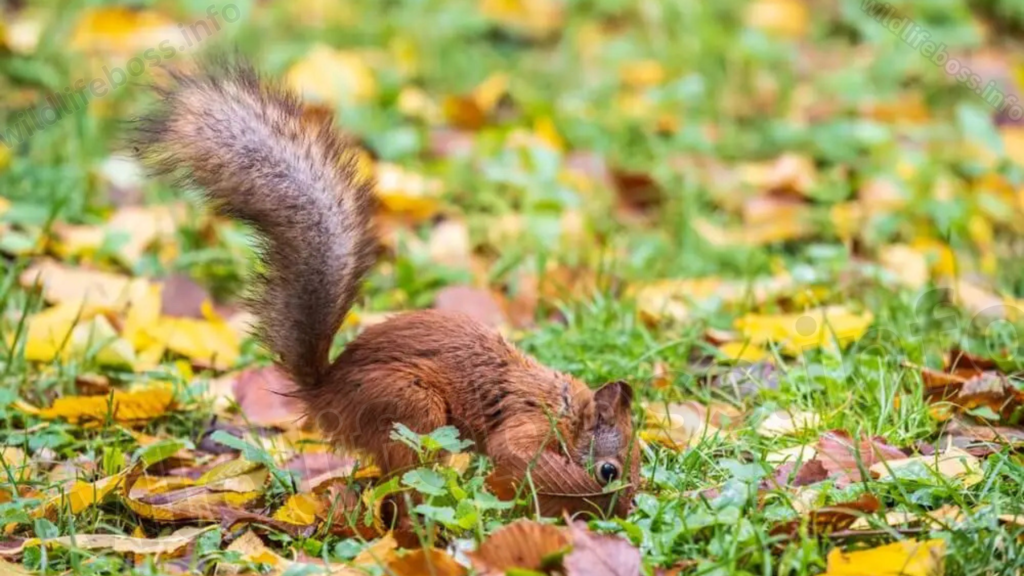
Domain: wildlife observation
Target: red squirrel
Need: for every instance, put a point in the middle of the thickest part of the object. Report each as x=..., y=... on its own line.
x=262, y=156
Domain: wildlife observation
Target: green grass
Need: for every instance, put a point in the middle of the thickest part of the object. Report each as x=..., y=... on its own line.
x=721, y=68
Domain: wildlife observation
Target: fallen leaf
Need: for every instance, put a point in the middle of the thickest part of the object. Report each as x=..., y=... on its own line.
x=843, y=458
x=782, y=18
x=210, y=342
x=782, y=423
x=523, y=544
x=909, y=266
x=799, y=332
x=406, y=193
x=164, y=545
x=534, y=19
x=135, y=406
x=449, y=244
x=301, y=509
x=745, y=381
x=681, y=425
x=182, y=297
x=904, y=558
x=599, y=554
x=120, y=30
x=424, y=561
x=267, y=397
x=79, y=286
x=831, y=518
x=333, y=77
x=953, y=463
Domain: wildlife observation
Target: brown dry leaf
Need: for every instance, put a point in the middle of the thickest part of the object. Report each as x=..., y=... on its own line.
x=135, y=406
x=478, y=303
x=182, y=297
x=535, y=19
x=267, y=397
x=81, y=495
x=120, y=30
x=161, y=502
x=952, y=463
x=599, y=554
x=333, y=77
x=843, y=457
x=524, y=544
x=943, y=516
x=831, y=518
x=802, y=331
x=904, y=558
x=424, y=562
x=558, y=485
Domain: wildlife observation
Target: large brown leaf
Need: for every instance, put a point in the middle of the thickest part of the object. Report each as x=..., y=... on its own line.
x=524, y=544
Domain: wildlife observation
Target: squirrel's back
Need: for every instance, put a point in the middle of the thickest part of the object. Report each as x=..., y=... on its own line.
x=259, y=156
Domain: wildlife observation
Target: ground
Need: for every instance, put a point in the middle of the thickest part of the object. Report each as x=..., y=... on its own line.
x=792, y=225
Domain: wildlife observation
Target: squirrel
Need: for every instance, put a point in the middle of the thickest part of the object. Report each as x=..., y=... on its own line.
x=262, y=156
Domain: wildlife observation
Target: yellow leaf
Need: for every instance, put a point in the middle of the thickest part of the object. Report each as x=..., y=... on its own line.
x=783, y=18
x=489, y=93
x=416, y=103
x=1013, y=142
x=300, y=509
x=674, y=299
x=743, y=352
x=333, y=77
x=229, y=469
x=407, y=193
x=953, y=463
x=642, y=73
x=904, y=558
x=143, y=404
x=941, y=259
x=792, y=228
x=537, y=19
x=62, y=283
x=128, y=544
x=212, y=342
x=782, y=423
x=678, y=426
x=798, y=332
x=120, y=30
x=790, y=172
x=909, y=265
x=80, y=496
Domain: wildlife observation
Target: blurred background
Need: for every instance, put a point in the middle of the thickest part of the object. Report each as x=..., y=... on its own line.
x=690, y=157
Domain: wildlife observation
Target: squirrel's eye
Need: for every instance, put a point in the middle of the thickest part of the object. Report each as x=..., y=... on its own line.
x=608, y=472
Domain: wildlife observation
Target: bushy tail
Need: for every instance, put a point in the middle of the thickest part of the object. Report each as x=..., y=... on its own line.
x=261, y=157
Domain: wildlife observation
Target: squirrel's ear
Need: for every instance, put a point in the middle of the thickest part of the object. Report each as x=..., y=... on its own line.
x=613, y=398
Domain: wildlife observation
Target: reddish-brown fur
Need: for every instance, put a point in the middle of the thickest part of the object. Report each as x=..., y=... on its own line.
x=261, y=156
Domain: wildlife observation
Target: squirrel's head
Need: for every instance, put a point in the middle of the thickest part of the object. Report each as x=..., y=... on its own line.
x=606, y=444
